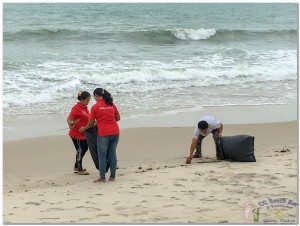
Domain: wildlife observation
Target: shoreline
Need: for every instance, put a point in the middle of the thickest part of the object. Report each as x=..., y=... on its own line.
x=55, y=124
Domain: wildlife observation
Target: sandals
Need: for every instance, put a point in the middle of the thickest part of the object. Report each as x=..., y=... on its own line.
x=76, y=170
x=83, y=173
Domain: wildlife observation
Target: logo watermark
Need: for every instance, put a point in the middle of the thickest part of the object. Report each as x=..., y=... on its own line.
x=270, y=211
x=278, y=203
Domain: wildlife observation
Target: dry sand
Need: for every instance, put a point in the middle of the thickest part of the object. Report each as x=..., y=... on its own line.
x=153, y=184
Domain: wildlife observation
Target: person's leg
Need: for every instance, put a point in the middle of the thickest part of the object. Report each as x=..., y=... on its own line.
x=215, y=134
x=78, y=161
x=91, y=138
x=198, y=153
x=84, y=147
x=102, y=147
x=112, y=156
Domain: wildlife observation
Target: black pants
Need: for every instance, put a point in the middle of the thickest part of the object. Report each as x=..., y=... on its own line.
x=91, y=138
x=215, y=134
x=81, y=148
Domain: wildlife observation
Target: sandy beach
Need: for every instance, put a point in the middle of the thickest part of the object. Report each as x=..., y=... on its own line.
x=165, y=65
x=153, y=184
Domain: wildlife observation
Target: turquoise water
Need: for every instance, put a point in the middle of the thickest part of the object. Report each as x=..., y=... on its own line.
x=153, y=58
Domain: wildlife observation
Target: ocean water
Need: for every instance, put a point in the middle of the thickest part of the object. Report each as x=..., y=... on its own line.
x=155, y=59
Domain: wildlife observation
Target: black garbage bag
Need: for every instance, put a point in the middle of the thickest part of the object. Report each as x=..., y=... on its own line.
x=91, y=138
x=238, y=148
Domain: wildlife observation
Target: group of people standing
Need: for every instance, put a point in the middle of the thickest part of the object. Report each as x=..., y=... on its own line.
x=96, y=130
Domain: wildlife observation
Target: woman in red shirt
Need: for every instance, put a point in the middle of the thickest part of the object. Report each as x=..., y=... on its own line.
x=78, y=117
x=106, y=114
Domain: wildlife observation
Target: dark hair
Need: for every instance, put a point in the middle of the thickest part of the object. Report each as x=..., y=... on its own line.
x=82, y=95
x=105, y=95
x=202, y=125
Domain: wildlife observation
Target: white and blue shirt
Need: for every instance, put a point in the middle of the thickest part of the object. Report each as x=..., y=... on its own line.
x=212, y=122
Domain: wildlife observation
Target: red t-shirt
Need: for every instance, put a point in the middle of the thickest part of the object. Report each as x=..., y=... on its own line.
x=105, y=116
x=82, y=113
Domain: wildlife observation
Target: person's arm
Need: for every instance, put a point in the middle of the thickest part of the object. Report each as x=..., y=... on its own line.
x=117, y=114
x=88, y=125
x=220, y=130
x=71, y=122
x=192, y=147
x=117, y=117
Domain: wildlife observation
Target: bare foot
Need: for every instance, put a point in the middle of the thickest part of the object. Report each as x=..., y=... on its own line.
x=99, y=180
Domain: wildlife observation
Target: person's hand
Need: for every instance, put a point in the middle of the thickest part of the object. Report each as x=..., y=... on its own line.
x=81, y=129
x=189, y=159
x=73, y=123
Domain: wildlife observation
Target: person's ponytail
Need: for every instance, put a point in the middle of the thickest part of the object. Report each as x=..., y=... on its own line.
x=105, y=95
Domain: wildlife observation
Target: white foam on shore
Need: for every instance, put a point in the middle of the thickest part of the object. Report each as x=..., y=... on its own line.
x=52, y=81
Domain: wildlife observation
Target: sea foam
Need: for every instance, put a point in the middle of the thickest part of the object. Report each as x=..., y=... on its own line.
x=193, y=34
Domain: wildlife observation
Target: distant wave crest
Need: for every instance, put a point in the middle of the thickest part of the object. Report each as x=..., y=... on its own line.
x=185, y=34
x=193, y=34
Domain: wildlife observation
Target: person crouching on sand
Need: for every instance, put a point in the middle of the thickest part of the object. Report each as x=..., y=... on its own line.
x=107, y=115
x=77, y=118
x=206, y=125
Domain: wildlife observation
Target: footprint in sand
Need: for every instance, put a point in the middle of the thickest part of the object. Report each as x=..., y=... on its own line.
x=83, y=219
x=103, y=215
x=213, y=179
x=137, y=186
x=174, y=205
x=227, y=201
x=86, y=207
x=53, y=209
x=73, y=200
x=199, y=209
x=88, y=202
x=158, y=218
x=178, y=185
x=141, y=213
x=181, y=179
x=120, y=208
x=50, y=218
x=159, y=196
x=32, y=203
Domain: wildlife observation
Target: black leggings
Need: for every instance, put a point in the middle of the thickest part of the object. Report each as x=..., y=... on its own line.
x=81, y=148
